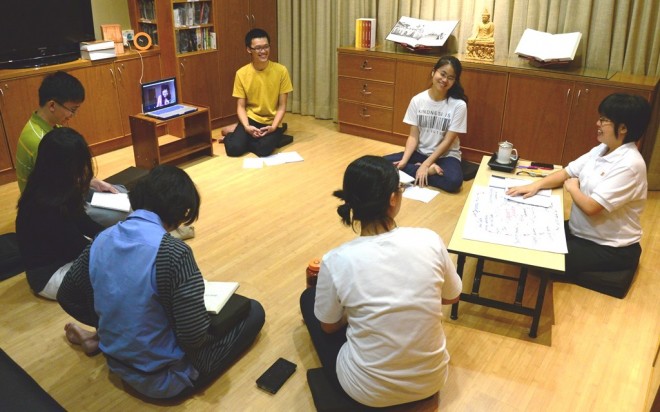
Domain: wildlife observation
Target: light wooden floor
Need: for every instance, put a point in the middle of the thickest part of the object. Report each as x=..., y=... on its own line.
x=261, y=226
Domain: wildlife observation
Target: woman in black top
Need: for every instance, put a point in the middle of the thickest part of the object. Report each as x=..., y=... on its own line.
x=51, y=226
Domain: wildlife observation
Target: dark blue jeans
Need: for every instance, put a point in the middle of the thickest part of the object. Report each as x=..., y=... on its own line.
x=240, y=142
x=450, y=181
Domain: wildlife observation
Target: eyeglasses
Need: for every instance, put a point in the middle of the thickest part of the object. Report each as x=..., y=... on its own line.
x=444, y=75
x=70, y=110
x=602, y=120
x=260, y=49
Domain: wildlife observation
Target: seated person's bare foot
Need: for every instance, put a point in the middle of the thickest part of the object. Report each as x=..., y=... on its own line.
x=89, y=341
x=434, y=169
x=228, y=129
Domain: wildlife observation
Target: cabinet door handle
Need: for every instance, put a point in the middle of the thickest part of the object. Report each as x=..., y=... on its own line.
x=586, y=91
x=183, y=68
x=254, y=21
x=365, y=114
x=568, y=94
x=248, y=19
x=112, y=73
x=365, y=65
x=364, y=90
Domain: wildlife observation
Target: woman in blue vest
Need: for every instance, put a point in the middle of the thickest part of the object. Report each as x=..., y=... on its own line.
x=141, y=288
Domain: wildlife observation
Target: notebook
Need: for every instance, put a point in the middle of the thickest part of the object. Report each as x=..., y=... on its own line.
x=160, y=100
x=113, y=201
x=216, y=294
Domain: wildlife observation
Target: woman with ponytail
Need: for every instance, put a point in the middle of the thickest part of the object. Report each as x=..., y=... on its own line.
x=375, y=316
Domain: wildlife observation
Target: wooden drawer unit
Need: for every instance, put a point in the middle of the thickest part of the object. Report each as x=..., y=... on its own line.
x=373, y=117
x=364, y=67
x=366, y=91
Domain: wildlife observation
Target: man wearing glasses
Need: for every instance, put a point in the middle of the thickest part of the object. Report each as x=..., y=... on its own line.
x=60, y=96
x=261, y=88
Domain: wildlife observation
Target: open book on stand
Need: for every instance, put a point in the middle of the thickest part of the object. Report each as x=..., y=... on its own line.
x=417, y=34
x=542, y=48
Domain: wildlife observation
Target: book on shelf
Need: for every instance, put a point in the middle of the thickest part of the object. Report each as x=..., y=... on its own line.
x=216, y=294
x=548, y=48
x=365, y=33
x=417, y=33
x=146, y=8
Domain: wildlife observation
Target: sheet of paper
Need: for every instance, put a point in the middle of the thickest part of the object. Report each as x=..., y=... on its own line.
x=405, y=178
x=253, y=163
x=494, y=219
x=114, y=201
x=422, y=194
x=281, y=158
x=541, y=198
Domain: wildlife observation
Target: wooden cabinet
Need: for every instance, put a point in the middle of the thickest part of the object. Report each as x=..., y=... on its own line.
x=549, y=115
x=18, y=100
x=235, y=19
x=366, y=93
x=99, y=118
x=581, y=130
x=198, y=81
x=112, y=93
x=486, y=92
x=554, y=120
x=129, y=75
x=6, y=161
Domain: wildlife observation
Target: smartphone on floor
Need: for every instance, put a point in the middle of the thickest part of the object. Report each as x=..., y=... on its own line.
x=275, y=376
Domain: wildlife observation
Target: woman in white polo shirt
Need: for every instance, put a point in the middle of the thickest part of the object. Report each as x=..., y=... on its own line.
x=608, y=188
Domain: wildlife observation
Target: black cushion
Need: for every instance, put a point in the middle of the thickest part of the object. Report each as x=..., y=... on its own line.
x=284, y=140
x=19, y=392
x=127, y=177
x=469, y=169
x=327, y=397
x=614, y=283
x=11, y=262
x=235, y=310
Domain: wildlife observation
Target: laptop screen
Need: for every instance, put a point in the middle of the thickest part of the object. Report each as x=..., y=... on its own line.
x=158, y=94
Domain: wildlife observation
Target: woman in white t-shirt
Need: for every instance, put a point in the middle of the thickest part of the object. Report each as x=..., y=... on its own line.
x=608, y=188
x=437, y=117
x=375, y=315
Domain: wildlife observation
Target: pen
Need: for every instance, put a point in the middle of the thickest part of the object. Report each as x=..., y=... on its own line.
x=533, y=167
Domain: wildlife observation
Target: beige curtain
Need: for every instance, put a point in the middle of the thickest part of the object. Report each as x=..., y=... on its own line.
x=617, y=35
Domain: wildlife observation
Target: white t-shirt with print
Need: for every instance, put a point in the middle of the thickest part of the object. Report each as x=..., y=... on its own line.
x=434, y=119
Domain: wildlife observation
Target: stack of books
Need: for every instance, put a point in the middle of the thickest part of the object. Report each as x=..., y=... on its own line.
x=97, y=50
x=365, y=33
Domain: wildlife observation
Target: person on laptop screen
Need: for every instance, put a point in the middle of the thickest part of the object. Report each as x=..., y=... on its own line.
x=261, y=88
x=164, y=97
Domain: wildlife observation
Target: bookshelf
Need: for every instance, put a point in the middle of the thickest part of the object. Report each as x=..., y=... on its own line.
x=193, y=26
x=147, y=20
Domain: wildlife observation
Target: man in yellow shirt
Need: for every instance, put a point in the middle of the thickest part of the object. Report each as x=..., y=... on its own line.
x=261, y=88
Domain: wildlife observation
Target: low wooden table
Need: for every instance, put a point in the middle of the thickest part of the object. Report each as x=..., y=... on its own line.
x=194, y=140
x=524, y=258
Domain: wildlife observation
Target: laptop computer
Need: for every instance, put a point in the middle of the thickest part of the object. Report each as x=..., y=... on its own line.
x=160, y=100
